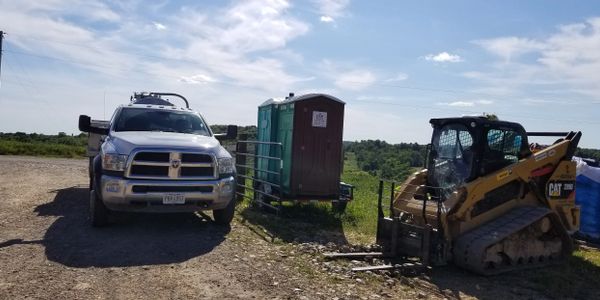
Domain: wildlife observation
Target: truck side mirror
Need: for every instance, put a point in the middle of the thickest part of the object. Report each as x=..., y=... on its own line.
x=232, y=131
x=85, y=125
x=85, y=122
x=230, y=135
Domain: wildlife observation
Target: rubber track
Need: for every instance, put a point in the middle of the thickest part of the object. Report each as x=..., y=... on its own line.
x=469, y=249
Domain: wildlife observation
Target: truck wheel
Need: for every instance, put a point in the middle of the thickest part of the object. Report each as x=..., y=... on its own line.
x=225, y=215
x=91, y=172
x=98, y=211
x=339, y=206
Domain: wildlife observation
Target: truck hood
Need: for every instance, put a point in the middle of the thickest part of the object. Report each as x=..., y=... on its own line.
x=126, y=141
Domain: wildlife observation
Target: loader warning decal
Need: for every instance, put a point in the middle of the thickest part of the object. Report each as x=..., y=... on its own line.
x=319, y=119
x=544, y=154
x=560, y=189
x=503, y=174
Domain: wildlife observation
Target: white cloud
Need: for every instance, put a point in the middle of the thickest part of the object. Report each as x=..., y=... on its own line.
x=239, y=51
x=485, y=102
x=43, y=28
x=466, y=103
x=566, y=61
x=509, y=47
x=398, y=77
x=545, y=102
x=159, y=26
x=443, y=57
x=225, y=44
x=347, y=76
x=355, y=80
x=326, y=19
x=258, y=25
x=331, y=9
x=374, y=98
x=458, y=103
x=197, y=79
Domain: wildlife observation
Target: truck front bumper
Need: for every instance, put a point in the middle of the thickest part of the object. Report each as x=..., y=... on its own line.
x=141, y=195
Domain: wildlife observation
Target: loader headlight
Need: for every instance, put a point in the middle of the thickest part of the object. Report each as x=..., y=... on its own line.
x=114, y=162
x=226, y=166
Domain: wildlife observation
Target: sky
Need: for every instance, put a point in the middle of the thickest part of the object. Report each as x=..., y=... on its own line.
x=396, y=64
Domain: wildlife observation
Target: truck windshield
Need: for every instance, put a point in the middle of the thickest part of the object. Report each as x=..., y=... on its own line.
x=451, y=157
x=139, y=119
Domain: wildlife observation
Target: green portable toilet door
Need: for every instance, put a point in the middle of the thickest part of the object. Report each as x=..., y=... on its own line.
x=285, y=128
x=265, y=127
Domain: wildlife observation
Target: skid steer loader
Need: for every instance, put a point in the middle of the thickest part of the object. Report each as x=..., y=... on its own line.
x=485, y=201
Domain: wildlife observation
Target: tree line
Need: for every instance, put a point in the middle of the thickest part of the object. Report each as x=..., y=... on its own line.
x=60, y=138
x=388, y=161
x=588, y=153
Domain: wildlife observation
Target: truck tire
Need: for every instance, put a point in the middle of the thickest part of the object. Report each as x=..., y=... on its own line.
x=98, y=211
x=225, y=215
x=91, y=172
x=339, y=206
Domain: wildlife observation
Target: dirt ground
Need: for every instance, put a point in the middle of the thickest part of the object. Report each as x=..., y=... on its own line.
x=49, y=251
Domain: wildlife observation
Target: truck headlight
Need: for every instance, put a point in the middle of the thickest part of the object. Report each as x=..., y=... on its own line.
x=226, y=166
x=114, y=162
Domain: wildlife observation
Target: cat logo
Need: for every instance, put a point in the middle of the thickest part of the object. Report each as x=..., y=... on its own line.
x=554, y=189
x=560, y=189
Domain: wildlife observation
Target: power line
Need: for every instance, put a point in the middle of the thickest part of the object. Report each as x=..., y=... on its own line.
x=18, y=79
x=26, y=73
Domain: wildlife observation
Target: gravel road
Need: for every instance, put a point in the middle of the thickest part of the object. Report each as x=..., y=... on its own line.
x=49, y=251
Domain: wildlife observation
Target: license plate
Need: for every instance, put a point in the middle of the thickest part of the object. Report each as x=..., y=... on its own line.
x=174, y=199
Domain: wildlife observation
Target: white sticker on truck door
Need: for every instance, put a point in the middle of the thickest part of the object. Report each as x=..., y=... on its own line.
x=319, y=119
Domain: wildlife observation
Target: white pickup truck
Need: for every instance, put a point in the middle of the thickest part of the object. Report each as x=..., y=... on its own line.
x=154, y=156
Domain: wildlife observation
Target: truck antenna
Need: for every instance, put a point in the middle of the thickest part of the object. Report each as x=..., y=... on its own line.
x=1, y=39
x=104, y=108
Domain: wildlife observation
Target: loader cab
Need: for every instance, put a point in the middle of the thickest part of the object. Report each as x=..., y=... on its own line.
x=466, y=148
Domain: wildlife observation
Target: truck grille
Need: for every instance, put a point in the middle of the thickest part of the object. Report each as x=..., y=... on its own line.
x=172, y=165
x=144, y=189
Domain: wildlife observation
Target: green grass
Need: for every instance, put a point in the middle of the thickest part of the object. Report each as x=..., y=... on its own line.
x=578, y=278
x=318, y=222
x=361, y=214
x=11, y=147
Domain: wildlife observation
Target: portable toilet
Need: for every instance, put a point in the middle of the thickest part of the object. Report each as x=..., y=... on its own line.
x=588, y=197
x=310, y=129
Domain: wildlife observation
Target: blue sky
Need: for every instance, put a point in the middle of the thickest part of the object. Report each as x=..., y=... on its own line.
x=395, y=63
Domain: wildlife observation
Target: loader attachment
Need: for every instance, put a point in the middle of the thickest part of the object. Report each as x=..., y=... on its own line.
x=407, y=246
x=400, y=236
